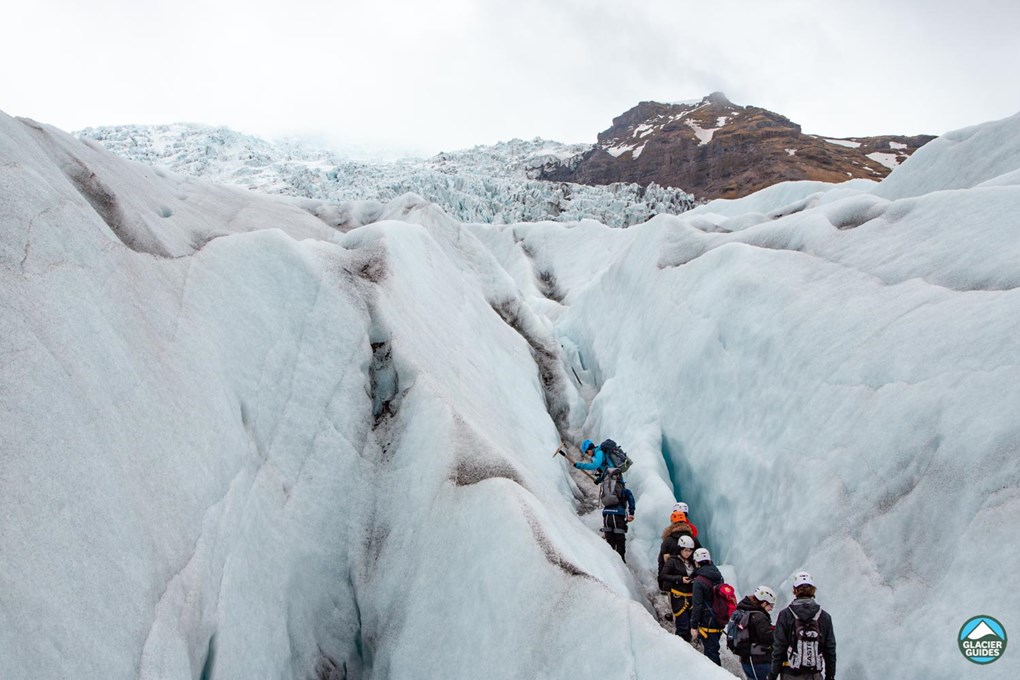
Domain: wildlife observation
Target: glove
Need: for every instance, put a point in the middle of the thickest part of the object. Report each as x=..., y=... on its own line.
x=576, y=464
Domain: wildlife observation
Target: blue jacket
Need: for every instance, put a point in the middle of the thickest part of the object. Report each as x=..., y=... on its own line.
x=598, y=461
x=622, y=509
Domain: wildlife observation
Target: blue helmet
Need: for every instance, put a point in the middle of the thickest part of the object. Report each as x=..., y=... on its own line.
x=587, y=444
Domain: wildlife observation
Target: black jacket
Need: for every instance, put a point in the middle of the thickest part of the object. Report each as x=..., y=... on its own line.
x=802, y=608
x=701, y=604
x=669, y=539
x=760, y=625
x=672, y=574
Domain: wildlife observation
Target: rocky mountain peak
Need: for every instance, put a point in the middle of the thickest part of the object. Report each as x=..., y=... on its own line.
x=718, y=98
x=714, y=148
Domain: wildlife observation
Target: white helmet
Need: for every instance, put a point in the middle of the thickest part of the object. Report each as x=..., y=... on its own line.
x=702, y=555
x=802, y=578
x=685, y=541
x=682, y=507
x=765, y=594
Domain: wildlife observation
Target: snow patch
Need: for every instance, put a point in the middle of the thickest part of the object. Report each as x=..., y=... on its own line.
x=850, y=144
x=704, y=136
x=889, y=160
x=620, y=149
x=642, y=130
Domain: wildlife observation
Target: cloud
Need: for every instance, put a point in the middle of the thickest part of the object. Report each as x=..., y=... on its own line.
x=455, y=73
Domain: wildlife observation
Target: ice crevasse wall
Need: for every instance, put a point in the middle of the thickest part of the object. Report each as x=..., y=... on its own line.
x=238, y=443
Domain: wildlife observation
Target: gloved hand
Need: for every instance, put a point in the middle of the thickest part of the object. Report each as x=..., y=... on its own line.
x=577, y=464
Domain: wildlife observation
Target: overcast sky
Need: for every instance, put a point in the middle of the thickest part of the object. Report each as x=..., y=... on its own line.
x=434, y=75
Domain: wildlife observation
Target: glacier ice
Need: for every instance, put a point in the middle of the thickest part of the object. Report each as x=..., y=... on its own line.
x=240, y=442
x=493, y=184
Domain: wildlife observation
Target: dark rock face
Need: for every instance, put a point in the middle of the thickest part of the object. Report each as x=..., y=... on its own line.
x=716, y=149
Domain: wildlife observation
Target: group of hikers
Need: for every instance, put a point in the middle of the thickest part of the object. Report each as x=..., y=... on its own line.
x=800, y=645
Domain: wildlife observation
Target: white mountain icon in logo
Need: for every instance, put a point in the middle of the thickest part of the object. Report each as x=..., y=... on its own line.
x=981, y=631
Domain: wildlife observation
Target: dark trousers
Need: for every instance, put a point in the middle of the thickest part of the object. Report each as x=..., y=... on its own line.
x=681, y=614
x=755, y=671
x=711, y=646
x=614, y=528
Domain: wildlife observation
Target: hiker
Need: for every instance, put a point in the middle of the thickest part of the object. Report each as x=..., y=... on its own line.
x=754, y=646
x=605, y=456
x=704, y=625
x=677, y=575
x=678, y=526
x=617, y=510
x=682, y=507
x=804, y=645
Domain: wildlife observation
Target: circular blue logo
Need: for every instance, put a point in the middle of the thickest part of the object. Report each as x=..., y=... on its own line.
x=982, y=640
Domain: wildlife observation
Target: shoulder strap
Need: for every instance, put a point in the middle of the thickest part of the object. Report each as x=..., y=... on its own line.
x=707, y=580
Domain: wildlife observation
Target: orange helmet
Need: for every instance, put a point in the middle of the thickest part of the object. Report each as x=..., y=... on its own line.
x=677, y=516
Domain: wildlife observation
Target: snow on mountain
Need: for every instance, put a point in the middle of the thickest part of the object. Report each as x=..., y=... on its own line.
x=490, y=184
x=241, y=443
x=714, y=148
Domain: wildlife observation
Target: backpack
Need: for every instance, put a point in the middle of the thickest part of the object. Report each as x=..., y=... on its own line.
x=738, y=632
x=615, y=456
x=724, y=600
x=804, y=652
x=738, y=635
x=612, y=490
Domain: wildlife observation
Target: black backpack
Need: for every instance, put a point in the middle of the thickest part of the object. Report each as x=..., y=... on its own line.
x=804, y=652
x=738, y=635
x=738, y=632
x=612, y=490
x=615, y=456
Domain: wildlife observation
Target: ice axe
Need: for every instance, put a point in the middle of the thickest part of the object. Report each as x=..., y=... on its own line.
x=559, y=450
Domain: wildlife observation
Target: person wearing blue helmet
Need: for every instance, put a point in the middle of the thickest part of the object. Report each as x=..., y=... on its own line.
x=599, y=460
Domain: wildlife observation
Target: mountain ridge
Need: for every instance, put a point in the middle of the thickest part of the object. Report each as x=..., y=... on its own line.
x=716, y=149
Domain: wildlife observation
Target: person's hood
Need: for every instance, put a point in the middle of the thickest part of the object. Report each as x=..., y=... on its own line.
x=711, y=572
x=750, y=604
x=678, y=529
x=804, y=607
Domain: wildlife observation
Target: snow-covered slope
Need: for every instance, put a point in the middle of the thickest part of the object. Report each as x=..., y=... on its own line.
x=490, y=184
x=239, y=443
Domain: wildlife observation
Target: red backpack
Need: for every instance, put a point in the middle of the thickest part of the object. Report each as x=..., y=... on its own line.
x=724, y=601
